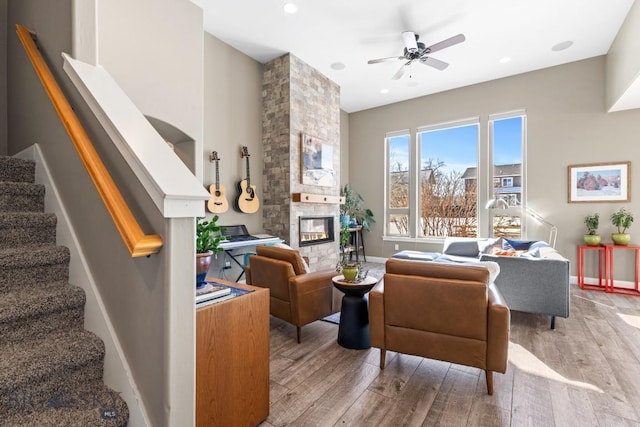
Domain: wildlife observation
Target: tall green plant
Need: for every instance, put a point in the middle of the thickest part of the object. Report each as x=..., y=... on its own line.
x=354, y=207
x=208, y=235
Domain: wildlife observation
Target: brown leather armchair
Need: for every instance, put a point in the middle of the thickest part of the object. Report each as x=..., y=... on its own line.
x=296, y=296
x=449, y=312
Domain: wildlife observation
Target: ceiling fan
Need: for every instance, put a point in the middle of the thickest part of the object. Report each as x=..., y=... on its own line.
x=415, y=50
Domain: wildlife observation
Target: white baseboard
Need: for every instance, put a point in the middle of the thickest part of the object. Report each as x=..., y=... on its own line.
x=117, y=373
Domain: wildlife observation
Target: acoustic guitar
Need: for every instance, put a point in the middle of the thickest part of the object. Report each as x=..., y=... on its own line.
x=247, y=200
x=218, y=202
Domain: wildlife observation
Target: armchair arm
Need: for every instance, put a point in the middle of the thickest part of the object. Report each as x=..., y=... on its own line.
x=311, y=296
x=497, y=331
x=376, y=315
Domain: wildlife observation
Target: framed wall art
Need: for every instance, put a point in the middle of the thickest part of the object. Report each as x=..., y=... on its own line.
x=600, y=182
x=317, y=162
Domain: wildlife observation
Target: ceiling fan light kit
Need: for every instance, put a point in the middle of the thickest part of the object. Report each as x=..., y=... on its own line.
x=415, y=50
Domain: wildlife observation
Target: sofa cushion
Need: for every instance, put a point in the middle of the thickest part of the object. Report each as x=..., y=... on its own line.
x=416, y=255
x=499, y=245
x=461, y=247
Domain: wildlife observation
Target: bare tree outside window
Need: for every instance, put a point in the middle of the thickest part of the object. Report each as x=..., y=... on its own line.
x=448, y=203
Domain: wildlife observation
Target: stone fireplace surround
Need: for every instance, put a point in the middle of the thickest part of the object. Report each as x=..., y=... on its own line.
x=298, y=99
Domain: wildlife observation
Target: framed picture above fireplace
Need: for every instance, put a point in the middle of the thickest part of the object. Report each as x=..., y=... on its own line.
x=316, y=162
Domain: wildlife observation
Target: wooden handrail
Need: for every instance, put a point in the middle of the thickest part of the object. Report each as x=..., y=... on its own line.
x=138, y=243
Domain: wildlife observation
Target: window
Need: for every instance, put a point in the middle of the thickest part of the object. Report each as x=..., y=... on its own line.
x=437, y=178
x=398, y=178
x=507, y=141
x=447, y=183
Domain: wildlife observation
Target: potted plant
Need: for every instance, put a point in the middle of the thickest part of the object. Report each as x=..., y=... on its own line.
x=208, y=240
x=622, y=220
x=353, y=206
x=592, y=238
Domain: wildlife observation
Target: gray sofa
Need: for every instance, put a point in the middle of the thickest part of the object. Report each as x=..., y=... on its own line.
x=534, y=278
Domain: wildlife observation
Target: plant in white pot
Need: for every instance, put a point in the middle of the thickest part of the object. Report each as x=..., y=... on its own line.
x=208, y=240
x=592, y=238
x=622, y=220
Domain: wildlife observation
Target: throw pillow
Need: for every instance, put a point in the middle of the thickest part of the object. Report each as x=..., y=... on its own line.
x=303, y=261
x=498, y=245
x=519, y=245
x=462, y=248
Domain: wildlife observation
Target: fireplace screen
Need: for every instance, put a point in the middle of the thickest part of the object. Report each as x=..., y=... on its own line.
x=316, y=230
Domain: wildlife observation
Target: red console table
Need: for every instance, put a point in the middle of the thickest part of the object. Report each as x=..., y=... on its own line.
x=606, y=281
x=609, y=249
x=601, y=286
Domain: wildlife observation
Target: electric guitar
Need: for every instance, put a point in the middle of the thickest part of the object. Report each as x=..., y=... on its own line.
x=218, y=202
x=247, y=200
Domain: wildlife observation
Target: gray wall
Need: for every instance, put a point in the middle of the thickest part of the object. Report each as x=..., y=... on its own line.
x=3, y=77
x=233, y=118
x=567, y=124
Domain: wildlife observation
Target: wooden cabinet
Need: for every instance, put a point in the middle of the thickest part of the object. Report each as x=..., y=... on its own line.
x=232, y=360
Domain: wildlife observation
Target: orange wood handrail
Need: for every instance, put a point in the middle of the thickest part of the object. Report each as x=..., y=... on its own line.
x=138, y=243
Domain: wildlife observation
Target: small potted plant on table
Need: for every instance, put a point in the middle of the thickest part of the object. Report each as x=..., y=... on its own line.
x=592, y=238
x=622, y=220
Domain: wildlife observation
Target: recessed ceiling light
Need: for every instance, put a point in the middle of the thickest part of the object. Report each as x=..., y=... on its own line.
x=338, y=66
x=504, y=60
x=562, y=46
x=383, y=91
x=290, y=8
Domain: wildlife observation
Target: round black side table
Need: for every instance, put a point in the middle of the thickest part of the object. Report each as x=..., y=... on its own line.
x=353, y=330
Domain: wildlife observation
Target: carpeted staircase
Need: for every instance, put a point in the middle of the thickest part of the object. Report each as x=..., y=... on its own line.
x=50, y=367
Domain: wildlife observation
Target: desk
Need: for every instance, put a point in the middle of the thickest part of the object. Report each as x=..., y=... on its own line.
x=353, y=331
x=229, y=247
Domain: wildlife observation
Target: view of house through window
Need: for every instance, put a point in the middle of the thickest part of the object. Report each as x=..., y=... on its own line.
x=435, y=193
x=507, y=142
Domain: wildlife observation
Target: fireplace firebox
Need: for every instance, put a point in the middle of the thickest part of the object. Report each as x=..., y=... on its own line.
x=315, y=230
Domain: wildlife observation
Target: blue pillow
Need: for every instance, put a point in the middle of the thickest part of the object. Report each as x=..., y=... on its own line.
x=501, y=243
x=519, y=245
x=462, y=248
x=538, y=245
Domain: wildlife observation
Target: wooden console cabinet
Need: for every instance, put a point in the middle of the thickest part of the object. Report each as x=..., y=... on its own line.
x=232, y=360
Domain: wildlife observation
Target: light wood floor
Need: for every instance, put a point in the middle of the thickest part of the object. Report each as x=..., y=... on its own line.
x=586, y=372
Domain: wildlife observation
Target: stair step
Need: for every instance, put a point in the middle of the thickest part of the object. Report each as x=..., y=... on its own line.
x=17, y=170
x=33, y=265
x=19, y=229
x=64, y=362
x=37, y=311
x=100, y=406
x=21, y=197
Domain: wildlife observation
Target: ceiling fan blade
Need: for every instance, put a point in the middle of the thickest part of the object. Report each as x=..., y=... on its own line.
x=433, y=62
x=401, y=71
x=391, y=58
x=446, y=43
x=410, y=41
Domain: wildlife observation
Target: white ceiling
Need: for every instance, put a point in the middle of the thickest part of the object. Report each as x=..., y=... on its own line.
x=353, y=31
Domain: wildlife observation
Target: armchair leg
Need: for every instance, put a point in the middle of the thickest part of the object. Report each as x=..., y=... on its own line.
x=383, y=354
x=553, y=322
x=489, y=375
x=299, y=332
